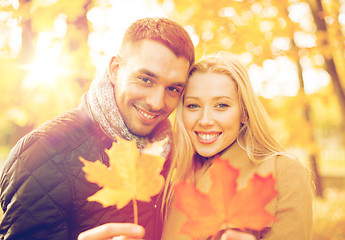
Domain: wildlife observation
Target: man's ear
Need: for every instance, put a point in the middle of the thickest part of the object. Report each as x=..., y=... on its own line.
x=113, y=68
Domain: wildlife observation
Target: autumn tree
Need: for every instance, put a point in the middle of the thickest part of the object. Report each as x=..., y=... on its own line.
x=262, y=30
x=49, y=69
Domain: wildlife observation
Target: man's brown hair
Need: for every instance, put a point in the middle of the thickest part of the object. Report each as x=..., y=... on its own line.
x=162, y=30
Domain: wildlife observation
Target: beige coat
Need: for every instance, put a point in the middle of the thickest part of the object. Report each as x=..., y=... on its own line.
x=292, y=207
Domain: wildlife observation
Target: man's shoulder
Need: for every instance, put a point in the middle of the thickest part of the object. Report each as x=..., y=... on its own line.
x=53, y=149
x=37, y=176
x=67, y=130
x=72, y=122
x=53, y=139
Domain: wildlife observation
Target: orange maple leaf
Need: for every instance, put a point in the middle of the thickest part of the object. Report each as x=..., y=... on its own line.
x=131, y=175
x=224, y=205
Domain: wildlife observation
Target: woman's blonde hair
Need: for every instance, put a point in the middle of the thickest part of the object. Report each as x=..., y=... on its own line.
x=255, y=135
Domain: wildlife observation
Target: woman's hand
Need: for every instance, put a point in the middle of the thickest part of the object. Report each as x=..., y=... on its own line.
x=236, y=235
x=121, y=231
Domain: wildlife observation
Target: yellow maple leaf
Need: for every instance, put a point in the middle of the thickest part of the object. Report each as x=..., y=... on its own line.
x=131, y=175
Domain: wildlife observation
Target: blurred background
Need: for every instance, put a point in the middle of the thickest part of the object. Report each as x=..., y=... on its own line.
x=50, y=50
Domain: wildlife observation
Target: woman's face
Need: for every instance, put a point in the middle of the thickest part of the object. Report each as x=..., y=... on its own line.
x=211, y=112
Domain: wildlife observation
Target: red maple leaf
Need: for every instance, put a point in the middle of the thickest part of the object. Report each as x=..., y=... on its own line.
x=224, y=204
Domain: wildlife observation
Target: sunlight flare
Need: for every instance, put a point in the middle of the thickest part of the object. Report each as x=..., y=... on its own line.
x=45, y=70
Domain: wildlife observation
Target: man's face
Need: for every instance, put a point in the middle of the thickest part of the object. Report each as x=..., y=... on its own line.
x=148, y=85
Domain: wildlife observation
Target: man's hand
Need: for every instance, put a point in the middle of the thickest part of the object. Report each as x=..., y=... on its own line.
x=125, y=231
x=236, y=235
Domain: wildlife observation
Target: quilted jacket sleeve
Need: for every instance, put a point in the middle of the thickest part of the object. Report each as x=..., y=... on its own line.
x=32, y=175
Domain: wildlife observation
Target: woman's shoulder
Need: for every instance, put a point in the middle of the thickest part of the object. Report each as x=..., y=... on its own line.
x=287, y=162
x=290, y=171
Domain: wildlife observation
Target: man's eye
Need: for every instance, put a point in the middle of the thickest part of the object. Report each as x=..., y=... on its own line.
x=144, y=79
x=173, y=89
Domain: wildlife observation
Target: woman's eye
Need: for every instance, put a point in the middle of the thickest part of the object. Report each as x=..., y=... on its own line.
x=222, y=105
x=192, y=106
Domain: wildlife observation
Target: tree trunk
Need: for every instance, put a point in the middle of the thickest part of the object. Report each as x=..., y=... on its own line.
x=314, y=154
x=27, y=53
x=317, y=10
x=317, y=177
x=81, y=24
x=306, y=109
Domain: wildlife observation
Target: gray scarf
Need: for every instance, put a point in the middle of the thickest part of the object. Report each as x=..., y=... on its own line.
x=99, y=102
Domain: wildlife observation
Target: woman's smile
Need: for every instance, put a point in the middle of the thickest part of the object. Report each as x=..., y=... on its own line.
x=207, y=137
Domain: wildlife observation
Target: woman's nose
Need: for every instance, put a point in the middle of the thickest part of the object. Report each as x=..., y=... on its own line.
x=206, y=117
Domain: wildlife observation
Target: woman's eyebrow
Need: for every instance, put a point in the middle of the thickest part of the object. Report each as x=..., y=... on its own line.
x=220, y=97
x=191, y=97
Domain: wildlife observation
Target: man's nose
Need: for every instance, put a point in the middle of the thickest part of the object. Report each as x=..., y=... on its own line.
x=156, y=99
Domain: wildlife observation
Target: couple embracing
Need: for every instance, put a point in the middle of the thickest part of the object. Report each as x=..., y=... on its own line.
x=44, y=191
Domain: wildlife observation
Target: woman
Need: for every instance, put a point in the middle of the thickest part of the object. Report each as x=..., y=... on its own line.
x=220, y=114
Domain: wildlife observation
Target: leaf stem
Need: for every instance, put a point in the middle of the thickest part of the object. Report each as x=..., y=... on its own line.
x=135, y=210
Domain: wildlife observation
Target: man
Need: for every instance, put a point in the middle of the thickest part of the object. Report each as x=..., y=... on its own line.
x=43, y=188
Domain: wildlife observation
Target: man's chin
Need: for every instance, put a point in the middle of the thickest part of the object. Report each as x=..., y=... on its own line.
x=142, y=131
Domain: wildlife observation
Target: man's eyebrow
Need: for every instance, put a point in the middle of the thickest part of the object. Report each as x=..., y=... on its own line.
x=179, y=84
x=151, y=74
x=147, y=72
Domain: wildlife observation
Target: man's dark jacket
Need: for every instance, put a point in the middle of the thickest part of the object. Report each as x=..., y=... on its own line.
x=43, y=187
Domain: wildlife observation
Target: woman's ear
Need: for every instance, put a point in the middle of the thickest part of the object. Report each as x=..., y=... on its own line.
x=244, y=119
x=113, y=68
